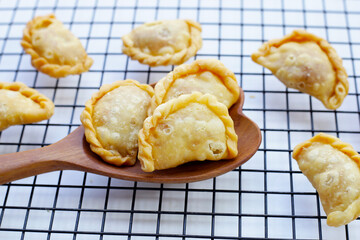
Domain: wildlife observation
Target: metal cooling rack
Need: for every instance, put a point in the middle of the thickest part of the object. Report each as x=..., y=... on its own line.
x=267, y=197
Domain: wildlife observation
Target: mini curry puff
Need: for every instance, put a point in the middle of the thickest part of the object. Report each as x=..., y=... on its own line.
x=20, y=104
x=113, y=117
x=163, y=42
x=53, y=48
x=332, y=167
x=192, y=127
x=307, y=63
x=203, y=75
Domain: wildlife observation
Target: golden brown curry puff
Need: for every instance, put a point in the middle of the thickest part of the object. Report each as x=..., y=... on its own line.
x=192, y=127
x=163, y=42
x=53, y=48
x=20, y=104
x=113, y=117
x=332, y=167
x=307, y=63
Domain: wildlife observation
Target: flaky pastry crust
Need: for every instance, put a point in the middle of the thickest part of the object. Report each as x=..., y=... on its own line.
x=20, y=115
x=162, y=112
x=329, y=175
x=166, y=40
x=54, y=50
x=213, y=66
x=92, y=137
x=341, y=85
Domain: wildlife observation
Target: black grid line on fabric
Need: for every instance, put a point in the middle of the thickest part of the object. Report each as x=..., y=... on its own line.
x=264, y=134
x=312, y=125
x=118, y=6
x=26, y=218
x=215, y=188
x=346, y=12
x=355, y=82
x=241, y=84
x=109, y=179
x=85, y=175
x=8, y=188
x=288, y=135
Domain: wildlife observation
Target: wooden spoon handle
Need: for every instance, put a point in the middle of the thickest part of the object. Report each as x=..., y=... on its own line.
x=61, y=155
x=28, y=163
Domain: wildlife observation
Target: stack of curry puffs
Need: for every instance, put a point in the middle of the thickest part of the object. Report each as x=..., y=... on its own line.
x=184, y=118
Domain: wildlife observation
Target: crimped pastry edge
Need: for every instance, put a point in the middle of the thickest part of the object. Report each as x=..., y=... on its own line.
x=341, y=87
x=336, y=218
x=175, y=59
x=90, y=132
x=45, y=103
x=161, y=112
x=41, y=63
x=213, y=65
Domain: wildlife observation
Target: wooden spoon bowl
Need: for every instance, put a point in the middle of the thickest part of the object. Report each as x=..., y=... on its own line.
x=73, y=152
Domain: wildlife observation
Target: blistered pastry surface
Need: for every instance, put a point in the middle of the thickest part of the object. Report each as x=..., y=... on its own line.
x=332, y=167
x=189, y=134
x=303, y=66
x=205, y=82
x=163, y=42
x=118, y=116
x=308, y=63
x=112, y=119
x=53, y=48
x=20, y=104
x=203, y=75
x=188, y=128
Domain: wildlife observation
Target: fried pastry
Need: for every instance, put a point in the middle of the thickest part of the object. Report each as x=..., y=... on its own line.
x=332, y=167
x=53, y=48
x=113, y=117
x=307, y=63
x=192, y=127
x=203, y=75
x=20, y=104
x=163, y=42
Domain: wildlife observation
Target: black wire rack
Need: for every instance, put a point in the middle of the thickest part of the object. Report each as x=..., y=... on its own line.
x=268, y=197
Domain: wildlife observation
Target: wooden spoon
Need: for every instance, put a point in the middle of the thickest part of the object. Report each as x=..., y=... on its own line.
x=73, y=152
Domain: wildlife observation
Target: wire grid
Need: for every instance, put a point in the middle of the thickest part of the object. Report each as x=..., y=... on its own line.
x=268, y=197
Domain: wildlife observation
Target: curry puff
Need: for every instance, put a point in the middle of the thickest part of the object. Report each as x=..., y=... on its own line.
x=20, y=104
x=203, y=75
x=163, y=42
x=112, y=119
x=192, y=127
x=53, y=48
x=307, y=63
x=332, y=167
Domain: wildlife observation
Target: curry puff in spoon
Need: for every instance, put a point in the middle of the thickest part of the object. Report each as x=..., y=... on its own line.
x=20, y=104
x=163, y=42
x=307, y=63
x=192, y=127
x=203, y=75
x=113, y=117
x=332, y=167
x=53, y=48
